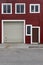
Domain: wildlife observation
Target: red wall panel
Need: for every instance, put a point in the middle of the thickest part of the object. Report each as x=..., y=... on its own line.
x=28, y=40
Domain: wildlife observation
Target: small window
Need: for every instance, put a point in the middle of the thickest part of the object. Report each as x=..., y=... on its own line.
x=6, y=8
x=34, y=8
x=28, y=30
x=20, y=8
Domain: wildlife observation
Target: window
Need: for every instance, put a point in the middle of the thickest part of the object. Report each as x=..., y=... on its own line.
x=20, y=8
x=34, y=8
x=6, y=8
x=28, y=30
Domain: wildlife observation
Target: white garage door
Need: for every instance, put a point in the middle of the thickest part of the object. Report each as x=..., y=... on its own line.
x=13, y=32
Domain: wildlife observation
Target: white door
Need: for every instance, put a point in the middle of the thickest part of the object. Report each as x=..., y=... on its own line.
x=13, y=32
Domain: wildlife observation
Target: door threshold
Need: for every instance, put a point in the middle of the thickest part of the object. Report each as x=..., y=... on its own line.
x=35, y=43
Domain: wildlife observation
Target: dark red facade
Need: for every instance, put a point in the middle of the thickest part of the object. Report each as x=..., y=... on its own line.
x=36, y=19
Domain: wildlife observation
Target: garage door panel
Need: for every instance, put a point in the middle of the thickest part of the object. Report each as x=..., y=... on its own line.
x=13, y=32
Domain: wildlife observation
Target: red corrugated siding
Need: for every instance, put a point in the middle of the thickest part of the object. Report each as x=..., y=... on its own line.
x=34, y=19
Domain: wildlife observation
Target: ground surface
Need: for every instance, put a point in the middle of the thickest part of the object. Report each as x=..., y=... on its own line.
x=24, y=56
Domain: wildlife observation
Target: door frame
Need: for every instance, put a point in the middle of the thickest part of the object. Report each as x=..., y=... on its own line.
x=38, y=34
x=11, y=21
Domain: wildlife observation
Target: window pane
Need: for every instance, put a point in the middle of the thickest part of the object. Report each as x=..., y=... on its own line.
x=22, y=8
x=4, y=8
x=28, y=29
x=18, y=8
x=36, y=8
x=8, y=9
x=32, y=8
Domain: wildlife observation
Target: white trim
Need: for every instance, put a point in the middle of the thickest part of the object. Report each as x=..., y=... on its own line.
x=38, y=34
x=20, y=4
x=6, y=4
x=13, y=21
x=30, y=31
x=2, y=32
x=34, y=8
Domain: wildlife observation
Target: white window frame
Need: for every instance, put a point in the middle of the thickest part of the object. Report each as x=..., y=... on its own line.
x=34, y=8
x=16, y=8
x=6, y=4
x=30, y=31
